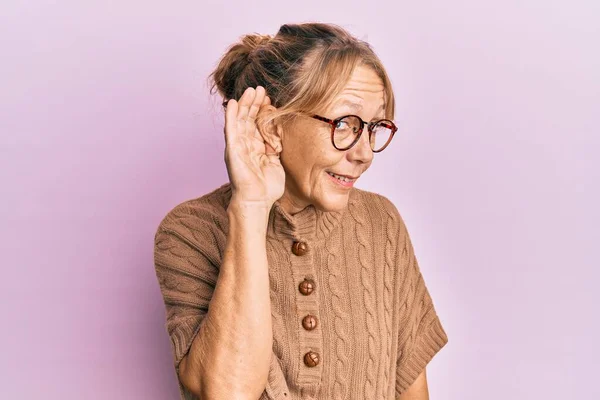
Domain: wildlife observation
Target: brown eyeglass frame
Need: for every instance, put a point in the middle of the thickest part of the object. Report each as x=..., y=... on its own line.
x=370, y=125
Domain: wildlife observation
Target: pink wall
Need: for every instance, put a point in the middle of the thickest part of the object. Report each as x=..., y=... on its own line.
x=106, y=124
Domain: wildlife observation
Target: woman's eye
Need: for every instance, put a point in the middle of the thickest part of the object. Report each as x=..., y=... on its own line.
x=341, y=125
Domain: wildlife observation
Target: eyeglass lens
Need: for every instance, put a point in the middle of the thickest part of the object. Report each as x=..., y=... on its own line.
x=347, y=129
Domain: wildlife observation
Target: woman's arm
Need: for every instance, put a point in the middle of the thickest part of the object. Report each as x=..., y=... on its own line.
x=230, y=356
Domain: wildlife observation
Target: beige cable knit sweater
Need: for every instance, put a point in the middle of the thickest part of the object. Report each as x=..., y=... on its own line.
x=373, y=327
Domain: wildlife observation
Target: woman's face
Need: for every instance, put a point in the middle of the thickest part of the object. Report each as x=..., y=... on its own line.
x=309, y=158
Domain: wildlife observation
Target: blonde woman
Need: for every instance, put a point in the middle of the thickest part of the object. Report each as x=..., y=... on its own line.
x=288, y=282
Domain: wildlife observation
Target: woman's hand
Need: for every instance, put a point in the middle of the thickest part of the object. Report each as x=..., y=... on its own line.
x=254, y=169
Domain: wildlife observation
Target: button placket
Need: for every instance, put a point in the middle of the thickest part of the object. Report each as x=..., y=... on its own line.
x=307, y=306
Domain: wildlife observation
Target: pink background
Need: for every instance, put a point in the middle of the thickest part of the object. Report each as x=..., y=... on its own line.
x=106, y=124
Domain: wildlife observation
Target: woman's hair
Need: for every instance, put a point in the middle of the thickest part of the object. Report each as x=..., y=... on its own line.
x=303, y=67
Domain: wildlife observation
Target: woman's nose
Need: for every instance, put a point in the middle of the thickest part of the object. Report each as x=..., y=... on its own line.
x=362, y=151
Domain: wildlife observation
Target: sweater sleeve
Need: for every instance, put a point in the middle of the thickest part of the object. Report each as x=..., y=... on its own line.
x=421, y=334
x=187, y=280
x=188, y=247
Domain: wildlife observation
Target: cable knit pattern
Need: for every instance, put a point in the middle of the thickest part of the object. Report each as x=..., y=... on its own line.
x=376, y=327
x=340, y=321
x=368, y=295
x=275, y=385
x=389, y=254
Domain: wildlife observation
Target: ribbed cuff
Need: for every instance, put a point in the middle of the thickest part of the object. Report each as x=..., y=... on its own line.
x=182, y=338
x=277, y=387
x=427, y=345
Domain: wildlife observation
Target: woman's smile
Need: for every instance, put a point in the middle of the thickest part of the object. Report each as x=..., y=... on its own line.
x=341, y=180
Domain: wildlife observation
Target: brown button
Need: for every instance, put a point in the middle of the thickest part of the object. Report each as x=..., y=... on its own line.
x=299, y=248
x=309, y=322
x=307, y=286
x=311, y=359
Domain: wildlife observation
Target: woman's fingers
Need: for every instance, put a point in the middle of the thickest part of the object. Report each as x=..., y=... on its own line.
x=240, y=115
x=251, y=128
x=245, y=101
x=257, y=102
x=244, y=107
x=230, y=119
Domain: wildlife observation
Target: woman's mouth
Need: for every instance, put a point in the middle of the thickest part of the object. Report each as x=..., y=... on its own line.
x=341, y=180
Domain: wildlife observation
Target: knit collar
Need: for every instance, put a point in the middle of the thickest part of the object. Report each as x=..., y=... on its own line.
x=308, y=224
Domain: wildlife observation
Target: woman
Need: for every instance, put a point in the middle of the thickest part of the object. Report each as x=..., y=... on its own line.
x=288, y=282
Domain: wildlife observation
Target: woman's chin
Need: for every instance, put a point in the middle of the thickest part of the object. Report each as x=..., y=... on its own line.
x=333, y=202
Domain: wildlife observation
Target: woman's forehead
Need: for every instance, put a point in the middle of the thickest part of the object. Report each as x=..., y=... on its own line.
x=357, y=103
x=356, y=100
x=363, y=89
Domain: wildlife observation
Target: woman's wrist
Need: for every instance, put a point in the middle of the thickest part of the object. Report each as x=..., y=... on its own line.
x=259, y=206
x=249, y=214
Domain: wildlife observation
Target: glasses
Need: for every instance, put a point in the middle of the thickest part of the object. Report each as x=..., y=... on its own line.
x=346, y=132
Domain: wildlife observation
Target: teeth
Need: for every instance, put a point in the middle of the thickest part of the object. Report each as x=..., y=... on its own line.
x=341, y=178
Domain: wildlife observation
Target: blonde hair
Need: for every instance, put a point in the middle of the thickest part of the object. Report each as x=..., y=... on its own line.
x=303, y=67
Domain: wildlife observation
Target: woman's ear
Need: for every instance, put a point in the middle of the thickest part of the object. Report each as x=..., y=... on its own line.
x=269, y=128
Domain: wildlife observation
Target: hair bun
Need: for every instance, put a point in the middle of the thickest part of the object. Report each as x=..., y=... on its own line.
x=233, y=64
x=254, y=41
